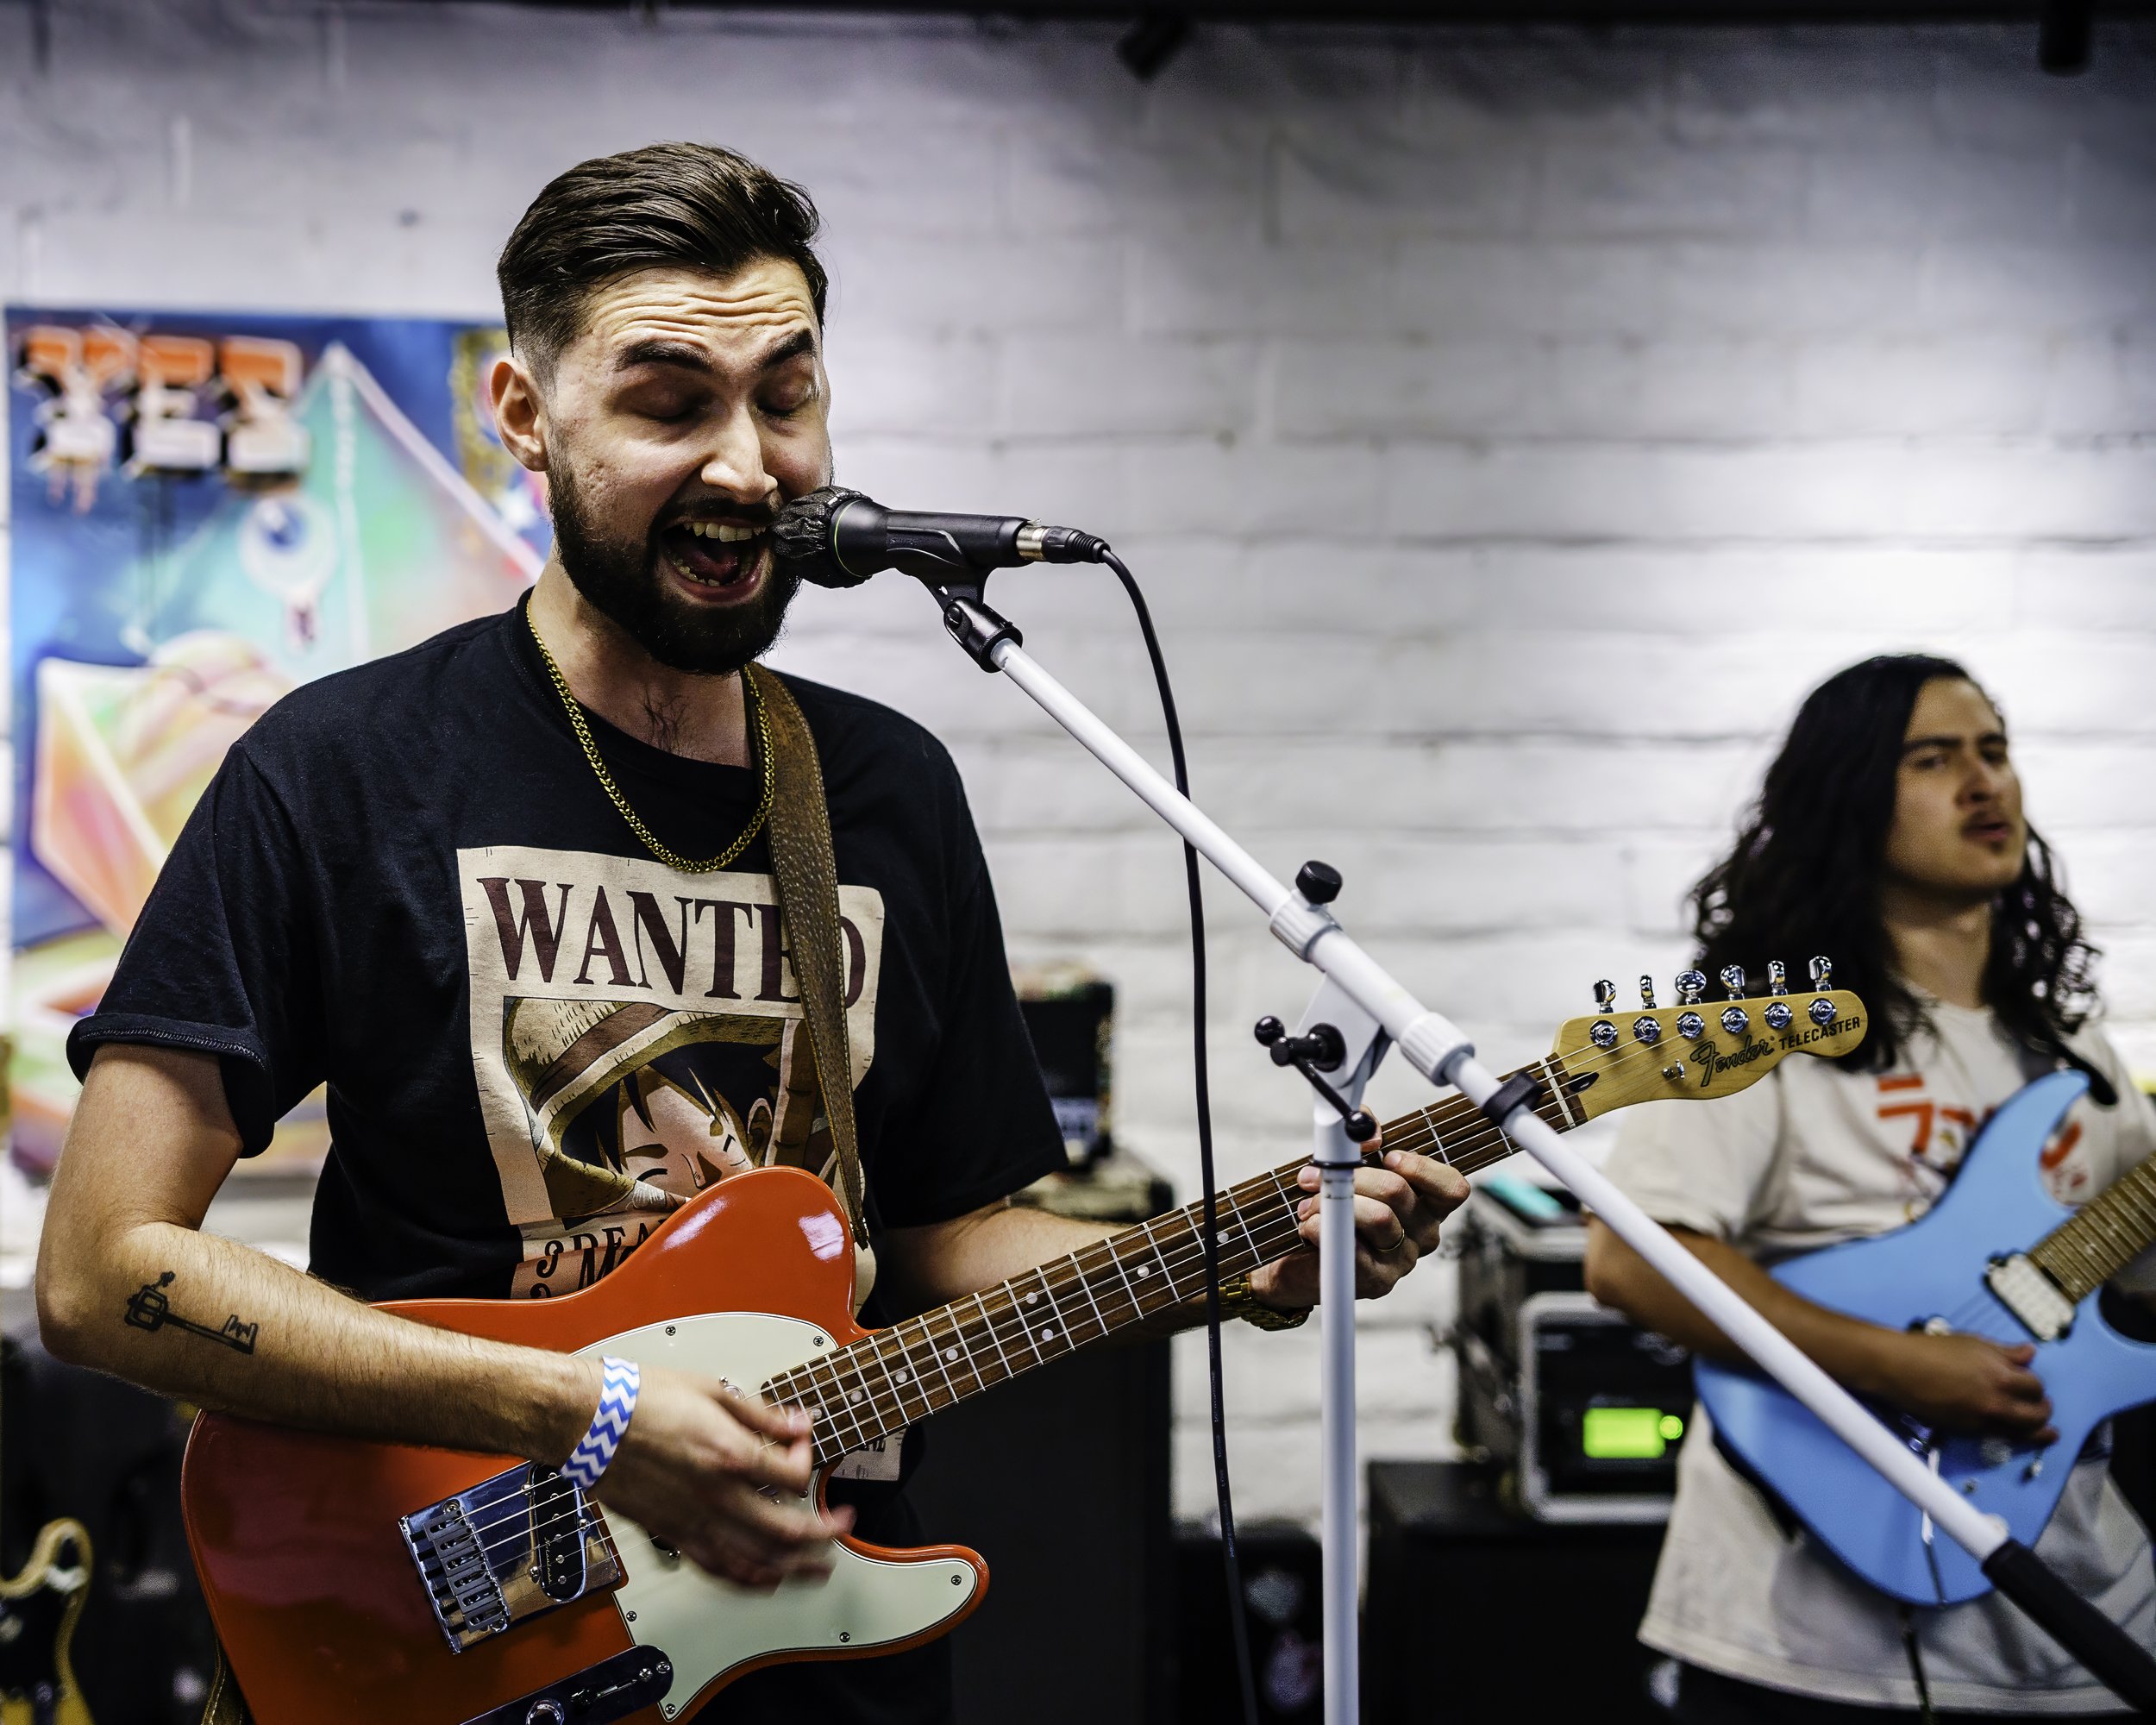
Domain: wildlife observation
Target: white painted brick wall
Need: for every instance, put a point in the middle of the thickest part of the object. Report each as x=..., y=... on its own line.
x=1509, y=427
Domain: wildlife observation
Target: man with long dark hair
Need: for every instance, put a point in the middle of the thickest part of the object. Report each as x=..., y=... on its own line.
x=1890, y=836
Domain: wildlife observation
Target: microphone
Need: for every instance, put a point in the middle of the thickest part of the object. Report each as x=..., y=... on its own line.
x=838, y=538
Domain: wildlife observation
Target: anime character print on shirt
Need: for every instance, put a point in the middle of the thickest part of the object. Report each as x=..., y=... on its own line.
x=637, y=1036
x=1942, y=1132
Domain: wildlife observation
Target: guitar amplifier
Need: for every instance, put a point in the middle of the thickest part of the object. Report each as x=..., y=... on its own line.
x=1069, y=1015
x=1579, y=1410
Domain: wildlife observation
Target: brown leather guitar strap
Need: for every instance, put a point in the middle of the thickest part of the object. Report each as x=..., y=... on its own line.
x=807, y=872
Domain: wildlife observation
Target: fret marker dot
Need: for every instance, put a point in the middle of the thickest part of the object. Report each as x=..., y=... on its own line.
x=854, y=1395
x=1145, y=1270
x=1033, y=1299
x=902, y=1375
x=1049, y=1333
x=950, y=1353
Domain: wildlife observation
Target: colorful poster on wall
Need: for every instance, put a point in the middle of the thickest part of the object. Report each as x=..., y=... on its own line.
x=207, y=511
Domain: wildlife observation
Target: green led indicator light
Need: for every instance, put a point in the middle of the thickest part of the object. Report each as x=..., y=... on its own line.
x=1628, y=1434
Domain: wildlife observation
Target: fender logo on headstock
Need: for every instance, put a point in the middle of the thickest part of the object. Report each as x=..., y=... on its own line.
x=1712, y=1063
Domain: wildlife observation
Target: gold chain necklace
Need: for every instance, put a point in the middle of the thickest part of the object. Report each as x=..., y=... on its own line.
x=671, y=859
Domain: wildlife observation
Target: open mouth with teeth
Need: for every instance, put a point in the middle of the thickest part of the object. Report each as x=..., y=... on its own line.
x=724, y=554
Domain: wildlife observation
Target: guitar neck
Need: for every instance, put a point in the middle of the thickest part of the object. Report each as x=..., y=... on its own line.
x=2106, y=1234
x=923, y=1364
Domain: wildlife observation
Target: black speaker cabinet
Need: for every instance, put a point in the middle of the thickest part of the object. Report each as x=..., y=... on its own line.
x=1282, y=1569
x=1060, y=1480
x=1474, y=1611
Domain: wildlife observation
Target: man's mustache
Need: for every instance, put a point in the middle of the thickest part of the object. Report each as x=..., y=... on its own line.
x=755, y=515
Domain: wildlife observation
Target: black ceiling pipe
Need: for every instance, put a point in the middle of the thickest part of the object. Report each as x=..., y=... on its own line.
x=1155, y=37
x=2063, y=37
x=1503, y=13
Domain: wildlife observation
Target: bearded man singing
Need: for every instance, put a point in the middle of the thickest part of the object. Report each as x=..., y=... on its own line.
x=510, y=896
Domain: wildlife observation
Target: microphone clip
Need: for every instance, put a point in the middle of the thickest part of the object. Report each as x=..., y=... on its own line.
x=971, y=621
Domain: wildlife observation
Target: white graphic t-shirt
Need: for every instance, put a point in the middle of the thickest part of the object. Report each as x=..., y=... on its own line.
x=1811, y=1156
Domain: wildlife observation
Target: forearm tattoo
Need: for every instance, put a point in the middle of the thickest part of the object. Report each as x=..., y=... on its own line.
x=149, y=1310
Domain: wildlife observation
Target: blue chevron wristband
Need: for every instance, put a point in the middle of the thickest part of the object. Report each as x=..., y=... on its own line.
x=610, y=1425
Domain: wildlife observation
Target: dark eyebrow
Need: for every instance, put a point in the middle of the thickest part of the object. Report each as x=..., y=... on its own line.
x=1916, y=742
x=791, y=348
x=656, y=350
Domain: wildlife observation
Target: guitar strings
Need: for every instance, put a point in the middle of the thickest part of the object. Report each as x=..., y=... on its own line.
x=1469, y=1152
x=1004, y=1324
x=1078, y=1273
x=1001, y=1328
x=1007, y=1322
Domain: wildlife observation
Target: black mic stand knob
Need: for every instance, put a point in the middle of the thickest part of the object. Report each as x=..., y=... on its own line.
x=1318, y=882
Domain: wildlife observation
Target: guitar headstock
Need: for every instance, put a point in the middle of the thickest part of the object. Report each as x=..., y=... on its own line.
x=1698, y=1048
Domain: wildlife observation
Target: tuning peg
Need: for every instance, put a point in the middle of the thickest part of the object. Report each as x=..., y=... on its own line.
x=1822, y=1012
x=1690, y=985
x=1778, y=1015
x=1822, y=970
x=1646, y=993
x=1733, y=980
x=1605, y=995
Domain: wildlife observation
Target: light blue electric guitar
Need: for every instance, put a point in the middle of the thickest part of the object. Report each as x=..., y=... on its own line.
x=1978, y=1262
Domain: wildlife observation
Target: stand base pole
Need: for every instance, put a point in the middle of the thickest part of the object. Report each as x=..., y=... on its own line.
x=1338, y=1159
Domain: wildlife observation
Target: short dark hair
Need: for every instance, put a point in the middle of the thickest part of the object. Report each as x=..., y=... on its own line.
x=1804, y=875
x=665, y=206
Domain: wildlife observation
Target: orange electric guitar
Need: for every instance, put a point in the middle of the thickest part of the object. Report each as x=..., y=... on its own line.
x=355, y=1583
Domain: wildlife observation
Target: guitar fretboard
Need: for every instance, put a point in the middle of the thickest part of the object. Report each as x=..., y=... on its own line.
x=2100, y=1239
x=923, y=1364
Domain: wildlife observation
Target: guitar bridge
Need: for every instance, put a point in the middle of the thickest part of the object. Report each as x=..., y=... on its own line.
x=508, y=1549
x=2033, y=1297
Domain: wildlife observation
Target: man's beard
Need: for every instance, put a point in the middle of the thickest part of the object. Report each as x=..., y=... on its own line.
x=623, y=579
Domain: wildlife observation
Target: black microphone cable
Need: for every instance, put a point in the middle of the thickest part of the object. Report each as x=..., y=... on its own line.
x=1238, y=1621
x=931, y=548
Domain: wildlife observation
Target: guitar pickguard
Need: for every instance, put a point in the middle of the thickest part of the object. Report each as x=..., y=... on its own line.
x=710, y=1628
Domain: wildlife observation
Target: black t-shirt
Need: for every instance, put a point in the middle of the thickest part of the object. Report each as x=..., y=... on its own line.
x=406, y=884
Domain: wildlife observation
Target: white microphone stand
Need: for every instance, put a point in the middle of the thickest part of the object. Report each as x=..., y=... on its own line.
x=1337, y=1154
x=1370, y=1010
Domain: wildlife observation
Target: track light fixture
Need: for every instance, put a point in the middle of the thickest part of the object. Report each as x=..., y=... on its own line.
x=1155, y=37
